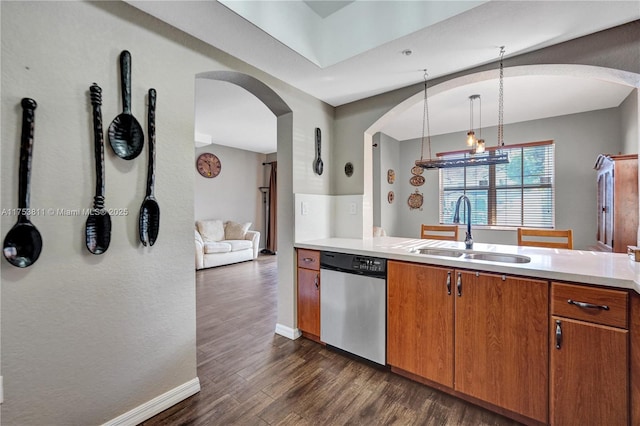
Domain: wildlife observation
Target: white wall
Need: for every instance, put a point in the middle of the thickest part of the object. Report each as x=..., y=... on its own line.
x=386, y=156
x=87, y=338
x=233, y=194
x=579, y=138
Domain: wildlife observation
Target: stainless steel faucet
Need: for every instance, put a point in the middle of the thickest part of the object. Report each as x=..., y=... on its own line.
x=468, y=240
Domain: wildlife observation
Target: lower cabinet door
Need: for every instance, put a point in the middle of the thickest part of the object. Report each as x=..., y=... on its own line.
x=589, y=380
x=501, y=341
x=420, y=320
x=309, y=301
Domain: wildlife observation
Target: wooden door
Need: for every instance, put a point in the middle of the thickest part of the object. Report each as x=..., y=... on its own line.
x=309, y=301
x=420, y=320
x=589, y=381
x=501, y=342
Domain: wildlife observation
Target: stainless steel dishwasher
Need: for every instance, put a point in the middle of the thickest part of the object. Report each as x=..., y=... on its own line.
x=353, y=304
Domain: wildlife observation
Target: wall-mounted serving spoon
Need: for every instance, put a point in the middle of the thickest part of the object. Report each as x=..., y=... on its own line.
x=125, y=133
x=23, y=243
x=149, y=220
x=98, y=227
x=318, y=165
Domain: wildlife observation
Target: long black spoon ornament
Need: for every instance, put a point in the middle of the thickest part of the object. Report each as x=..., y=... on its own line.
x=125, y=133
x=98, y=228
x=149, y=220
x=23, y=243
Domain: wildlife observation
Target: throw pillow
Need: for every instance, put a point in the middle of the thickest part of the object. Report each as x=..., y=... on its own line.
x=211, y=230
x=235, y=231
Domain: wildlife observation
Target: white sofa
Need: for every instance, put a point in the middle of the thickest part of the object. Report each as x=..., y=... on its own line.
x=221, y=243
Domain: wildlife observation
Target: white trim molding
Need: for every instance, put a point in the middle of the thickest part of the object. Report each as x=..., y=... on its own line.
x=288, y=332
x=156, y=405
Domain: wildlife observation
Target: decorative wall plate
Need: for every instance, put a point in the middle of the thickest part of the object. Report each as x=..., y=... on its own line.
x=391, y=176
x=415, y=200
x=417, y=170
x=417, y=180
x=348, y=169
x=390, y=197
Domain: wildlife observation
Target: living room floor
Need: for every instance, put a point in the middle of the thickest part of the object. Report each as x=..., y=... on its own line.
x=251, y=376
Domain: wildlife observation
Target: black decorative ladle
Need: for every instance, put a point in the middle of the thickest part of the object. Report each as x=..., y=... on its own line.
x=98, y=227
x=125, y=133
x=318, y=166
x=149, y=220
x=23, y=243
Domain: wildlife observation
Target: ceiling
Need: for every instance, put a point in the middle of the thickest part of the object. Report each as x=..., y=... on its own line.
x=343, y=51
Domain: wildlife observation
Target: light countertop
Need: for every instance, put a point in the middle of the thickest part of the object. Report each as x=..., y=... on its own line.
x=588, y=267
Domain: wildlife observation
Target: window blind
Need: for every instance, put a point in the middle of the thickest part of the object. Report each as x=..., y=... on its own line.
x=519, y=193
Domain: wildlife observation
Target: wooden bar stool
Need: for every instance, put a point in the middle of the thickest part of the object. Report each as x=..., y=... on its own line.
x=439, y=232
x=550, y=238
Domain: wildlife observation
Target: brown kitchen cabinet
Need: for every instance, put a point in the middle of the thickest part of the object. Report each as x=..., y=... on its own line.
x=420, y=320
x=493, y=326
x=589, y=341
x=617, y=206
x=501, y=341
x=308, y=278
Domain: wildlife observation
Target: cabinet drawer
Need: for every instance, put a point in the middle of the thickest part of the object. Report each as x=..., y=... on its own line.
x=309, y=259
x=598, y=305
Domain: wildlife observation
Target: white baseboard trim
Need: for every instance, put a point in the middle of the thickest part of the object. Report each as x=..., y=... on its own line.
x=156, y=405
x=288, y=332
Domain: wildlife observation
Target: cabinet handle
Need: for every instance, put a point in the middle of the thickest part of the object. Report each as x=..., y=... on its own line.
x=316, y=282
x=449, y=283
x=307, y=259
x=587, y=305
x=558, y=334
x=459, y=284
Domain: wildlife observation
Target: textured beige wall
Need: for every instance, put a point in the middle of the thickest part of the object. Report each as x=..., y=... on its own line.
x=86, y=338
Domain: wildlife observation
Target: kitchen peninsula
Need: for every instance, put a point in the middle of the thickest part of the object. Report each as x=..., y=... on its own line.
x=550, y=340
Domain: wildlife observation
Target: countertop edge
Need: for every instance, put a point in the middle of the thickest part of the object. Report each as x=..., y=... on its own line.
x=596, y=268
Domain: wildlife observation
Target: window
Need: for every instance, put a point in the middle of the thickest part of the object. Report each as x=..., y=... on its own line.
x=519, y=193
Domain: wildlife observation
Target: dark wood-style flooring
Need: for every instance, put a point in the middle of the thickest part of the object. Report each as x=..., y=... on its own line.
x=251, y=376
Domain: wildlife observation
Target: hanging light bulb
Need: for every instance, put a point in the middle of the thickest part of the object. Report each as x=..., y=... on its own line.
x=471, y=138
x=471, y=135
x=479, y=145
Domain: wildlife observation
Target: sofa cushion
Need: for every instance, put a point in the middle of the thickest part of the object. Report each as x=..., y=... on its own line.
x=235, y=231
x=217, y=247
x=211, y=230
x=239, y=244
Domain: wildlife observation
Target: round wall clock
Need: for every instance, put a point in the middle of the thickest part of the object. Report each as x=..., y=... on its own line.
x=208, y=165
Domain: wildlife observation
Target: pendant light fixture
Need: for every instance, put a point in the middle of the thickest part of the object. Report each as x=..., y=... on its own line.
x=471, y=135
x=476, y=144
x=478, y=155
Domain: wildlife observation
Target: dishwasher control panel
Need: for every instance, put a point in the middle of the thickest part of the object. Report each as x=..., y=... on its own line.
x=354, y=264
x=369, y=264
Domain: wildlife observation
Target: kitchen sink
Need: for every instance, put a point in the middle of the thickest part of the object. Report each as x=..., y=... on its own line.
x=498, y=257
x=488, y=257
x=438, y=252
